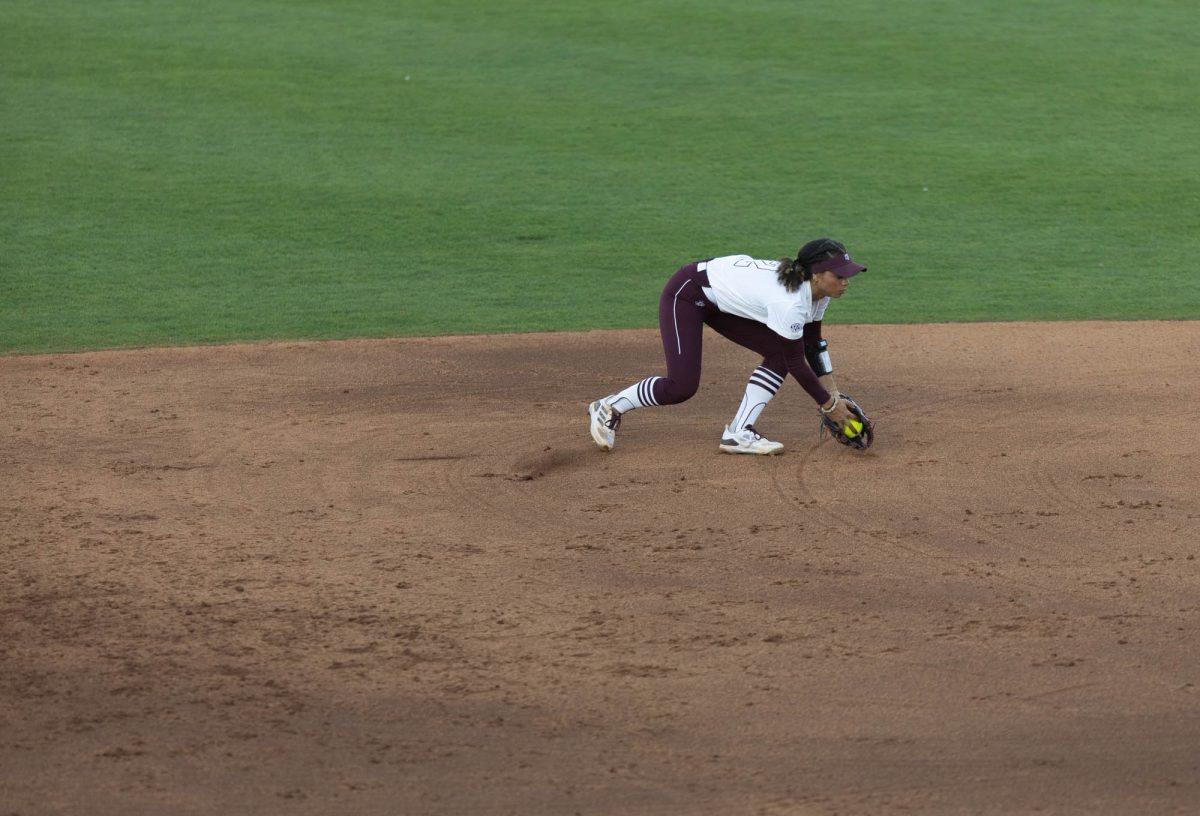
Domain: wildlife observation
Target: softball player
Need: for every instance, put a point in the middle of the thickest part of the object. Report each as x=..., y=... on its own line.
x=774, y=308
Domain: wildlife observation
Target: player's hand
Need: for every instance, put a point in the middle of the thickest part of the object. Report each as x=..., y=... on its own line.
x=841, y=411
x=835, y=418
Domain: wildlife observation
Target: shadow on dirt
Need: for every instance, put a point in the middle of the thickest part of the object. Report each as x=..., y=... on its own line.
x=546, y=463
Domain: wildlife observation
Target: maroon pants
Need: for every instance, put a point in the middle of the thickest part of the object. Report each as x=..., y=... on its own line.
x=683, y=311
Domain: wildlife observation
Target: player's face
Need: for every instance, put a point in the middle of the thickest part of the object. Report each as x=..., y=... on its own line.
x=830, y=285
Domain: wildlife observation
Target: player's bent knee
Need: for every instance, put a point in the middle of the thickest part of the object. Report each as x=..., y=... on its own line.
x=676, y=392
x=776, y=364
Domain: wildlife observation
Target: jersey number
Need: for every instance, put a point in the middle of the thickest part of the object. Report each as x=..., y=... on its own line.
x=770, y=266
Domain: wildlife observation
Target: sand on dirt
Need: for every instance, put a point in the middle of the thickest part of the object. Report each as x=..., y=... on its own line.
x=397, y=577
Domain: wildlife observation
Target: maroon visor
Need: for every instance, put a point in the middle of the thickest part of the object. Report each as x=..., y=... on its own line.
x=841, y=265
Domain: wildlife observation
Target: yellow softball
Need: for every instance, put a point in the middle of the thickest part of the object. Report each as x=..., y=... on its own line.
x=852, y=428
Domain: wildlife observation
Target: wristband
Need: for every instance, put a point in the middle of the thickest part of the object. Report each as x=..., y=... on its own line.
x=836, y=399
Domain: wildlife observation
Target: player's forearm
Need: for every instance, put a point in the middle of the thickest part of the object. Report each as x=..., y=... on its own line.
x=829, y=384
x=799, y=368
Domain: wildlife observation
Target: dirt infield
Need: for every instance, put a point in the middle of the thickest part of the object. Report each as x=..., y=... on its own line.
x=397, y=577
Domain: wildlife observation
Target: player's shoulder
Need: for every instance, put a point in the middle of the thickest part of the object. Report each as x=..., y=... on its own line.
x=799, y=300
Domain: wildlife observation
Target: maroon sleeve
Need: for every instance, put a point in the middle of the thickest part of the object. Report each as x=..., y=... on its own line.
x=799, y=368
x=812, y=333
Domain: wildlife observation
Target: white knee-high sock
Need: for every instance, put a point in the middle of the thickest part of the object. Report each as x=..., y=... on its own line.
x=638, y=395
x=760, y=388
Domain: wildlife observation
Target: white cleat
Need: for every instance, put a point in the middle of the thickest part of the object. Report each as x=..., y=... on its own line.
x=604, y=424
x=750, y=441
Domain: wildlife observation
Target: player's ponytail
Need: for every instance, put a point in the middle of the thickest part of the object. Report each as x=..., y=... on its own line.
x=791, y=274
x=795, y=271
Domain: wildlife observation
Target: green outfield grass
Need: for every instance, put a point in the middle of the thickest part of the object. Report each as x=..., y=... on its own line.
x=177, y=172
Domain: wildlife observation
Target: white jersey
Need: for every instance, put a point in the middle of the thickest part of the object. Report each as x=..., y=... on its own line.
x=750, y=288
